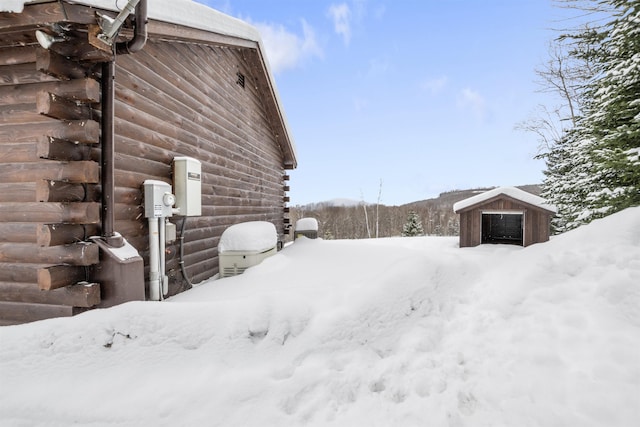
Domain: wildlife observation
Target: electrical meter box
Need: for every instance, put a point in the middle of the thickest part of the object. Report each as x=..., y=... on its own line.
x=158, y=200
x=187, y=182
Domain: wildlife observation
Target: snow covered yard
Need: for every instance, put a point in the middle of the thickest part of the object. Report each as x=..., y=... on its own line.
x=388, y=332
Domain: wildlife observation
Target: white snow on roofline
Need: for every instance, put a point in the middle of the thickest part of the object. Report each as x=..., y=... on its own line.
x=512, y=192
x=189, y=14
x=182, y=12
x=14, y=6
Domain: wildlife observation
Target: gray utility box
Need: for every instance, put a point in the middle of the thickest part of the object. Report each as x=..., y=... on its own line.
x=187, y=182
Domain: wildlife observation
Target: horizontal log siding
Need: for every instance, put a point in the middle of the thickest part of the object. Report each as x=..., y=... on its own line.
x=47, y=189
x=81, y=295
x=537, y=221
x=180, y=99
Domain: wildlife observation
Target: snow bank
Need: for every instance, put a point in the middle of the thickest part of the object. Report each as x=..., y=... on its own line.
x=403, y=332
x=255, y=236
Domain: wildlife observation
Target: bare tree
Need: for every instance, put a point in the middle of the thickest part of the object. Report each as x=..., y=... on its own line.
x=378, y=209
x=366, y=215
x=563, y=75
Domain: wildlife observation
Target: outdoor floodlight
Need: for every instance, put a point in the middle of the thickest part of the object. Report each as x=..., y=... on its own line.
x=46, y=40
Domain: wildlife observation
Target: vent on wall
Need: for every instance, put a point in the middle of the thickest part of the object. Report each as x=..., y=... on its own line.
x=240, y=80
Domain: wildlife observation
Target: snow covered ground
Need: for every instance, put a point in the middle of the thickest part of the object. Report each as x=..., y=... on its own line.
x=388, y=332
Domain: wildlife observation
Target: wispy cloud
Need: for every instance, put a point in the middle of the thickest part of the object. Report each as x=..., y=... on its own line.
x=378, y=67
x=434, y=85
x=341, y=16
x=286, y=49
x=472, y=101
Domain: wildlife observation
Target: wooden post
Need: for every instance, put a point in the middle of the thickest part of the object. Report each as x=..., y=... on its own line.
x=84, y=254
x=76, y=295
x=55, y=106
x=53, y=213
x=58, y=276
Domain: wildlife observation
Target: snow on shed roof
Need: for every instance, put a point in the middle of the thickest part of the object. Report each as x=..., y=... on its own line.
x=512, y=192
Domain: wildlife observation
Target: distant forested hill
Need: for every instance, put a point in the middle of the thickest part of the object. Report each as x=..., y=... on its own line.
x=361, y=221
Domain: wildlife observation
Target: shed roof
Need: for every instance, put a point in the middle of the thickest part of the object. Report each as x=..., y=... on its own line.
x=187, y=13
x=513, y=192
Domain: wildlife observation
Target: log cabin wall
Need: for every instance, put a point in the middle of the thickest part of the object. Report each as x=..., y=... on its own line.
x=206, y=97
x=188, y=99
x=536, y=226
x=48, y=196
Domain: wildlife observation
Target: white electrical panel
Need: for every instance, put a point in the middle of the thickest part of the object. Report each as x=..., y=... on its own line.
x=158, y=200
x=187, y=182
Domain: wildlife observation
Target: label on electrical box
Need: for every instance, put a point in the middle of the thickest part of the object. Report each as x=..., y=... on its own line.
x=157, y=211
x=194, y=176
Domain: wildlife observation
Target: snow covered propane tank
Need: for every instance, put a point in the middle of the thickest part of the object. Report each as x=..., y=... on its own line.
x=245, y=245
x=307, y=227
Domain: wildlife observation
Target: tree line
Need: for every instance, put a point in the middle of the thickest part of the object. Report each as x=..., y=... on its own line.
x=350, y=222
x=360, y=221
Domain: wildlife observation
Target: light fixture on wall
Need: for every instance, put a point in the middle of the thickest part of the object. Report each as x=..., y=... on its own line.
x=55, y=33
x=46, y=40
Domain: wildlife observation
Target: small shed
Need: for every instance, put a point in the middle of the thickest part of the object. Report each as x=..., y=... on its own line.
x=504, y=215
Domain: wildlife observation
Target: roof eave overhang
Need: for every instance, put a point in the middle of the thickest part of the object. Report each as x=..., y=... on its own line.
x=221, y=30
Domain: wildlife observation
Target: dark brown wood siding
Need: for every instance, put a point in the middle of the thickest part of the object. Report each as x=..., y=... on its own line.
x=179, y=96
x=536, y=226
x=179, y=99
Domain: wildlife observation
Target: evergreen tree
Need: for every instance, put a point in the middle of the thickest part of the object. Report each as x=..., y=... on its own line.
x=594, y=170
x=413, y=226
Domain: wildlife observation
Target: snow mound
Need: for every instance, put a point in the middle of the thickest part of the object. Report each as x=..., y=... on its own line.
x=307, y=224
x=255, y=236
x=371, y=332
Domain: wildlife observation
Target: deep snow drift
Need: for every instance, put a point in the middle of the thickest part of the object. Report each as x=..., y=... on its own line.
x=388, y=332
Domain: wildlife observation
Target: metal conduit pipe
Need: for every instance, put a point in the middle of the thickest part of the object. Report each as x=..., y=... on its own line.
x=182, y=267
x=108, y=153
x=155, y=278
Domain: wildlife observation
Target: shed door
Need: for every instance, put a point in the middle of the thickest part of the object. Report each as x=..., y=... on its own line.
x=503, y=228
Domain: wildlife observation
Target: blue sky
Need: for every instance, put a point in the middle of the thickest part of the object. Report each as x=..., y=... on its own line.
x=423, y=95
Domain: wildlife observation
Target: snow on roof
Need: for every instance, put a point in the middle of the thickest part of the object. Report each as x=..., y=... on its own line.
x=14, y=6
x=257, y=236
x=512, y=192
x=183, y=12
x=189, y=14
